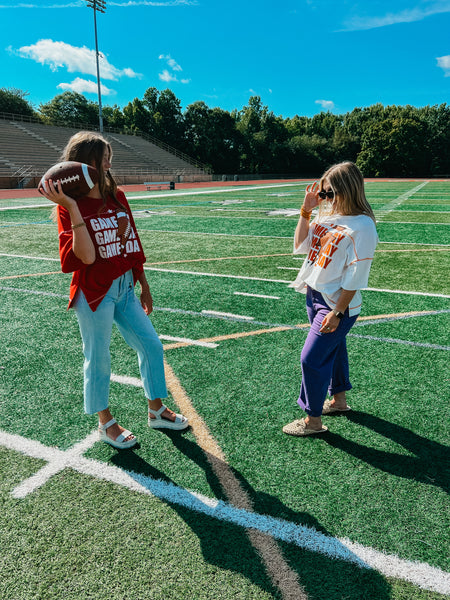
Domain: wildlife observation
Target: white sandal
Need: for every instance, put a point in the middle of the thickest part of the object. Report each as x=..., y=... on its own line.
x=119, y=442
x=159, y=423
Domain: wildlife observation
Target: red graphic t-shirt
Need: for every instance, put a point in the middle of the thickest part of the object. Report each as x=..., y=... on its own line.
x=117, y=247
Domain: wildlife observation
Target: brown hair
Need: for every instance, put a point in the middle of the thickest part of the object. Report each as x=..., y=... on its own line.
x=347, y=183
x=89, y=147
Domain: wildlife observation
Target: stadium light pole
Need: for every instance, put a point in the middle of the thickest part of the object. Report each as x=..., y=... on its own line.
x=100, y=6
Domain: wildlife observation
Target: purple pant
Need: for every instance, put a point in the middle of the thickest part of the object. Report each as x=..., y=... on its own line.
x=324, y=357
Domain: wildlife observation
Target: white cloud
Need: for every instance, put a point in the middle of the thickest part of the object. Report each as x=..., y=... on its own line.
x=171, y=63
x=166, y=76
x=409, y=15
x=85, y=86
x=75, y=59
x=444, y=64
x=326, y=104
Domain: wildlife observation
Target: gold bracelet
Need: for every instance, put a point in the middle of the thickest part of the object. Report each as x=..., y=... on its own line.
x=305, y=213
x=83, y=224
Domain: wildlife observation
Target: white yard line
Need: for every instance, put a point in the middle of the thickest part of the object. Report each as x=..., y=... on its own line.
x=241, y=235
x=171, y=338
x=397, y=341
x=48, y=205
x=422, y=575
x=218, y=313
x=246, y=319
x=257, y=295
x=28, y=257
x=412, y=223
x=235, y=189
x=225, y=276
x=390, y=206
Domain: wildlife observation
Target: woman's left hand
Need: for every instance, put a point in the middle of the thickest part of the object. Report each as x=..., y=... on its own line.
x=330, y=323
x=146, y=300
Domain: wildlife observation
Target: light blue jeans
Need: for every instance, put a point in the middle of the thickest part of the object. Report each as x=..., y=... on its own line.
x=119, y=306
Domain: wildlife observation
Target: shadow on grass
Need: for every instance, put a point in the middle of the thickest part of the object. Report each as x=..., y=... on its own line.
x=227, y=545
x=430, y=465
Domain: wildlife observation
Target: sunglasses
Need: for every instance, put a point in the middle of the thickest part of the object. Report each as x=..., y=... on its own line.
x=324, y=194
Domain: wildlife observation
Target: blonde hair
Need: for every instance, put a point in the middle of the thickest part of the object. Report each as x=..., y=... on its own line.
x=347, y=183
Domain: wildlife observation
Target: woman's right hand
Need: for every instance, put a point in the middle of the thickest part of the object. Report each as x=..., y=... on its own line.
x=311, y=199
x=55, y=194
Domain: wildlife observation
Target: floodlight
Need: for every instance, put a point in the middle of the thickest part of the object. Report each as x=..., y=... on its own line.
x=100, y=6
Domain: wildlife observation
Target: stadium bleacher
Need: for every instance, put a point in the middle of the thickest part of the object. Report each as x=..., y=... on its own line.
x=27, y=149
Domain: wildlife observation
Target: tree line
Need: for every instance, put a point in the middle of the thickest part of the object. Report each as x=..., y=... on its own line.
x=384, y=141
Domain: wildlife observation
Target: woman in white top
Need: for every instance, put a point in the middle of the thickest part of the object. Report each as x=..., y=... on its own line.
x=340, y=244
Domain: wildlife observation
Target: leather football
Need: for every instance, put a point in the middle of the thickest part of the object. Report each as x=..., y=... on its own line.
x=77, y=179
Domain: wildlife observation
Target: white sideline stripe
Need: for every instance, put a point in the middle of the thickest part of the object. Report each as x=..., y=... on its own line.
x=231, y=316
x=238, y=317
x=288, y=268
x=415, y=243
x=236, y=189
x=431, y=212
x=287, y=281
x=411, y=223
x=243, y=277
x=227, y=314
x=257, y=295
x=188, y=341
x=422, y=575
x=425, y=313
x=397, y=341
x=410, y=293
x=33, y=292
x=25, y=206
x=245, y=235
x=223, y=275
x=201, y=274
x=29, y=257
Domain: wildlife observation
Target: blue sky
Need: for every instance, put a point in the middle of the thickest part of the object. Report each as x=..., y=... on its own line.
x=300, y=56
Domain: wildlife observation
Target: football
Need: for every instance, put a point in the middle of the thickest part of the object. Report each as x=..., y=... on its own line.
x=77, y=179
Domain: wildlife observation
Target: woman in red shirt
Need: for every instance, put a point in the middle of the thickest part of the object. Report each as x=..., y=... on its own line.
x=99, y=244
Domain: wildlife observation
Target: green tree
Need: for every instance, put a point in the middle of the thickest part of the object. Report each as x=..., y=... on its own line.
x=394, y=146
x=263, y=139
x=165, y=117
x=14, y=101
x=437, y=119
x=70, y=108
x=136, y=116
x=113, y=117
x=211, y=137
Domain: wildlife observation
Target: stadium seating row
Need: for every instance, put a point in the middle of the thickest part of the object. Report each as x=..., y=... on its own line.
x=27, y=149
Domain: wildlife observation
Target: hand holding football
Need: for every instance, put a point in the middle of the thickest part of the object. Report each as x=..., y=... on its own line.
x=77, y=179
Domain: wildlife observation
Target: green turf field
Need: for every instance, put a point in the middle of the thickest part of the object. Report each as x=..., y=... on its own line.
x=231, y=508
